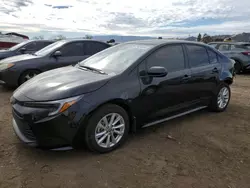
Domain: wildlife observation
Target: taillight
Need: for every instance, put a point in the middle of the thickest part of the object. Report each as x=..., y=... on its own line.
x=246, y=53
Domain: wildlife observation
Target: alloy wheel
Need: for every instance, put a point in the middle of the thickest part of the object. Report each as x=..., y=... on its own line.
x=223, y=98
x=109, y=130
x=29, y=76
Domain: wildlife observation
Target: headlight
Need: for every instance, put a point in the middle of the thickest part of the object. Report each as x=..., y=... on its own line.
x=4, y=66
x=55, y=107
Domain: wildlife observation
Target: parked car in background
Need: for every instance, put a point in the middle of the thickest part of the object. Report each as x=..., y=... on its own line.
x=26, y=47
x=125, y=87
x=246, y=44
x=14, y=71
x=237, y=51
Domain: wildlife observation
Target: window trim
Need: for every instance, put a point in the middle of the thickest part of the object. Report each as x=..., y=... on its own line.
x=188, y=60
x=164, y=46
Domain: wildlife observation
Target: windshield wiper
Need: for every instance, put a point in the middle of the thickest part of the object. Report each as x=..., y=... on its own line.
x=92, y=69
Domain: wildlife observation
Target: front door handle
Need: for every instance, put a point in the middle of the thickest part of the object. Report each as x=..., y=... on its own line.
x=186, y=77
x=215, y=70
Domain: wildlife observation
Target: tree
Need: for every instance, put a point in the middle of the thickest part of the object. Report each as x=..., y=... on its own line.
x=38, y=37
x=199, y=37
x=88, y=36
x=206, y=38
x=60, y=37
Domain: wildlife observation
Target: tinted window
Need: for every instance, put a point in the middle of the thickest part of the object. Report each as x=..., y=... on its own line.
x=31, y=46
x=223, y=47
x=212, y=56
x=72, y=49
x=91, y=48
x=197, y=55
x=171, y=57
x=39, y=45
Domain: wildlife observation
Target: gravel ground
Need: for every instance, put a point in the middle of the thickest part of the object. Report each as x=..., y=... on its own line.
x=207, y=150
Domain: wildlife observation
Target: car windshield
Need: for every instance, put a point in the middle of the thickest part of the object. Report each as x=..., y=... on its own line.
x=116, y=59
x=50, y=48
x=18, y=45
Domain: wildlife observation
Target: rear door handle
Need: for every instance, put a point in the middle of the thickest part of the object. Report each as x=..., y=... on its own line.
x=186, y=77
x=215, y=70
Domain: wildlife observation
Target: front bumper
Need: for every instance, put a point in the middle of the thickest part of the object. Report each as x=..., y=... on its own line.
x=56, y=133
x=22, y=136
x=9, y=77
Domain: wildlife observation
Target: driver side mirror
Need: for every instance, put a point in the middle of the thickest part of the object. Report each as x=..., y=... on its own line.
x=57, y=54
x=157, y=71
x=22, y=50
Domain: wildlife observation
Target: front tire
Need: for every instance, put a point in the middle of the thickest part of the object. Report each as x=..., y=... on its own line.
x=27, y=75
x=107, y=128
x=221, y=99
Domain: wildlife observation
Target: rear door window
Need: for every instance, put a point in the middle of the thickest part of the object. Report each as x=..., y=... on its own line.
x=197, y=55
x=171, y=57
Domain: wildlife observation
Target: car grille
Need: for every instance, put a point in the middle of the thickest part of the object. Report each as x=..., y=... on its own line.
x=24, y=127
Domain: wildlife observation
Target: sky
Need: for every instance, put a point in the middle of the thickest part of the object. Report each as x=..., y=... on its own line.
x=166, y=18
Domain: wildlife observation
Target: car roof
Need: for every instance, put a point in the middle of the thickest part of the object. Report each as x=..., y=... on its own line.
x=156, y=42
x=81, y=40
x=42, y=40
x=226, y=43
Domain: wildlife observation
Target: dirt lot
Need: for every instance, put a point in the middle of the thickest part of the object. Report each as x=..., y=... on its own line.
x=210, y=150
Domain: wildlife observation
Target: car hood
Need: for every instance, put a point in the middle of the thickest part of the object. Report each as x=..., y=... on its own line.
x=61, y=83
x=5, y=53
x=18, y=58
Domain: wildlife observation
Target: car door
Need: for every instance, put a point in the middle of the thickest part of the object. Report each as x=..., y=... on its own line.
x=161, y=96
x=205, y=70
x=71, y=54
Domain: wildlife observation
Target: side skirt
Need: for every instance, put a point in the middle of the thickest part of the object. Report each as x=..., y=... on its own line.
x=175, y=116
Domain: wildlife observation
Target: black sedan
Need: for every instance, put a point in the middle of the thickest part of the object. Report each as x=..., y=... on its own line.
x=26, y=47
x=16, y=70
x=125, y=87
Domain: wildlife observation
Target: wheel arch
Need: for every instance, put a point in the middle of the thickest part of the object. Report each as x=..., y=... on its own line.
x=119, y=102
x=26, y=70
x=123, y=104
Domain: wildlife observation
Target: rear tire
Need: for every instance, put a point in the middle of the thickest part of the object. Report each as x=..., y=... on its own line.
x=103, y=122
x=27, y=75
x=221, y=99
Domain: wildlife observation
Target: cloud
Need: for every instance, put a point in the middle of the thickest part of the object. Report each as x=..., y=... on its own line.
x=141, y=17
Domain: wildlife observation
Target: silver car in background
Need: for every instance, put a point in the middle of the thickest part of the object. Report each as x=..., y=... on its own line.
x=238, y=51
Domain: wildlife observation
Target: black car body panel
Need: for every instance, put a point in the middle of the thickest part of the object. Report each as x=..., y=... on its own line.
x=45, y=60
x=145, y=98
